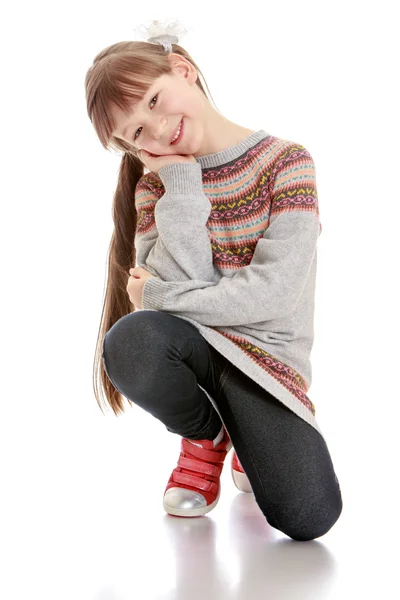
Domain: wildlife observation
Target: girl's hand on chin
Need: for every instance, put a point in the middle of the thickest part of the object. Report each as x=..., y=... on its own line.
x=154, y=163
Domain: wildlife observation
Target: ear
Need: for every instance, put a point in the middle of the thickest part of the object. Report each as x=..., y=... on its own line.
x=181, y=66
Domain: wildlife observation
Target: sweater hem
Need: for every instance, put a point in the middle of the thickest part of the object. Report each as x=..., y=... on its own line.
x=266, y=381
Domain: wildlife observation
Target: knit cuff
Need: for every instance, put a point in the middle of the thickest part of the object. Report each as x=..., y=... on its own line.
x=154, y=292
x=182, y=178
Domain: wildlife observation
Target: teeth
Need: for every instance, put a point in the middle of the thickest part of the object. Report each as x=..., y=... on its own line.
x=177, y=134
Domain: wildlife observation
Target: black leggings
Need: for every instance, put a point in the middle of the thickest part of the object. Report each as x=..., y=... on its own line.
x=159, y=361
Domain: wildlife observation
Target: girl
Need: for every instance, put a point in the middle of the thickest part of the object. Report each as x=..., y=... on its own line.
x=212, y=332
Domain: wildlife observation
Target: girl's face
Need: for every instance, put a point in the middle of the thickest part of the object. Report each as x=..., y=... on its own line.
x=153, y=121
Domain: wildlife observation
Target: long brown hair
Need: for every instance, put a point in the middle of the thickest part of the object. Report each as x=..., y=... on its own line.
x=120, y=75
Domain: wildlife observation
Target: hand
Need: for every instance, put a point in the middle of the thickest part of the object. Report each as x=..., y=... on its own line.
x=136, y=281
x=153, y=162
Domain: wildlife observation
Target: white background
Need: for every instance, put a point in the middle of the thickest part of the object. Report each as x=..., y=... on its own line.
x=81, y=493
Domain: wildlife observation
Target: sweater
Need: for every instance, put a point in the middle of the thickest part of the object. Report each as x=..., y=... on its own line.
x=232, y=243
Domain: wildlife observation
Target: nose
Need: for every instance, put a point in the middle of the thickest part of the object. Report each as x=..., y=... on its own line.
x=158, y=129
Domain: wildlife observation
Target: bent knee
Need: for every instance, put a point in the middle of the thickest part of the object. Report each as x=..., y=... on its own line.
x=120, y=342
x=140, y=337
x=125, y=330
x=307, y=520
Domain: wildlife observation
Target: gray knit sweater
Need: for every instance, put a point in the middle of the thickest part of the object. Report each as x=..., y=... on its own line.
x=232, y=242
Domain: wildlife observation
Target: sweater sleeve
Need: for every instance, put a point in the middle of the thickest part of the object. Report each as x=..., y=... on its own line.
x=271, y=285
x=172, y=240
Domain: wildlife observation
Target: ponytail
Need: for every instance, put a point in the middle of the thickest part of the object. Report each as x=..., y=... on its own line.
x=121, y=257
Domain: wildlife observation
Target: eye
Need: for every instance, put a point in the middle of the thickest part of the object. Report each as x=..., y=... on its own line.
x=135, y=137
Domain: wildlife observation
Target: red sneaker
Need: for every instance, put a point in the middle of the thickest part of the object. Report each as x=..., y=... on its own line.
x=239, y=477
x=194, y=486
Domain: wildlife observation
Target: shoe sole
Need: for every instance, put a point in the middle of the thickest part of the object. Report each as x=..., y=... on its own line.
x=241, y=481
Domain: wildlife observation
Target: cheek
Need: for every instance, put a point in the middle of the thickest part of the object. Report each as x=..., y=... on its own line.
x=180, y=105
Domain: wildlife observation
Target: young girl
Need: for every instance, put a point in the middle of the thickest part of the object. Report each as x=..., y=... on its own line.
x=212, y=332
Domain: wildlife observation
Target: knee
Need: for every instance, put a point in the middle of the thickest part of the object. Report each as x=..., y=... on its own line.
x=138, y=338
x=309, y=519
x=129, y=328
x=119, y=343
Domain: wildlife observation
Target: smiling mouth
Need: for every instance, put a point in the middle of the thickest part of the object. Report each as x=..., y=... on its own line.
x=180, y=129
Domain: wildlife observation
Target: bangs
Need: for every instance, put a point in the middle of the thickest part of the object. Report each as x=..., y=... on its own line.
x=124, y=92
x=121, y=81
